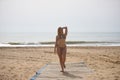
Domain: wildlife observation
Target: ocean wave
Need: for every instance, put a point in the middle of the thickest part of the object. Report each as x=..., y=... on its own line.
x=51, y=43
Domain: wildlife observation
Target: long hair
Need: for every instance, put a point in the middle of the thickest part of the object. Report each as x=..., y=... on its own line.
x=60, y=31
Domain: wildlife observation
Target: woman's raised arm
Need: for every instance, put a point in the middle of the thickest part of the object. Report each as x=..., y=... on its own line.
x=66, y=30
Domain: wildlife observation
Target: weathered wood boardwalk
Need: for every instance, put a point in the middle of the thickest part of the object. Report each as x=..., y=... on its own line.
x=73, y=71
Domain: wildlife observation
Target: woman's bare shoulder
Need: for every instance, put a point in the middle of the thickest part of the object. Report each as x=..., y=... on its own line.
x=57, y=36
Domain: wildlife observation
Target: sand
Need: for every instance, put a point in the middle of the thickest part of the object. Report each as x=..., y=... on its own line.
x=21, y=63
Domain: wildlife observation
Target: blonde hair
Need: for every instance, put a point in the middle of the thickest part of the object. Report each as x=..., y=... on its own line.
x=60, y=31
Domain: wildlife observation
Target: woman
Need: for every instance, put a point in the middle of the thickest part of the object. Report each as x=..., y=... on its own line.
x=60, y=46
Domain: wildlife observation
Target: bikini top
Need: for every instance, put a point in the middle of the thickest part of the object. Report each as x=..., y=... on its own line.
x=61, y=41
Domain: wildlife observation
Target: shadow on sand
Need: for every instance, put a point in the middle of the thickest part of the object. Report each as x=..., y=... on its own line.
x=68, y=74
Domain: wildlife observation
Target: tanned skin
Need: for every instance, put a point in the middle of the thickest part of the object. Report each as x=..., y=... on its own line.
x=61, y=53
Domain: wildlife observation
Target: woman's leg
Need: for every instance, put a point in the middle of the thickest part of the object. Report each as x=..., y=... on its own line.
x=64, y=56
x=59, y=51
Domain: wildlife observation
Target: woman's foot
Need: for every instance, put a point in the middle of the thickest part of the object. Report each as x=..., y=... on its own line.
x=62, y=71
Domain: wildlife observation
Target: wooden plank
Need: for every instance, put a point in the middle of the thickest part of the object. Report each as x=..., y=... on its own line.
x=75, y=71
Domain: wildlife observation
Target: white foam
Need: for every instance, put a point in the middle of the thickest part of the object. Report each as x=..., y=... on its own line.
x=8, y=45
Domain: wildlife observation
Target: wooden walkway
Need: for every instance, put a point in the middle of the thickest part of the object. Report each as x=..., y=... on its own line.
x=73, y=71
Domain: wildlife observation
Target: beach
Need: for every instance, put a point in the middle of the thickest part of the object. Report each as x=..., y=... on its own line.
x=21, y=63
x=30, y=29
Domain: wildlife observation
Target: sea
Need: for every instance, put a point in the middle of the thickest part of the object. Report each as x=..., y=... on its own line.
x=30, y=39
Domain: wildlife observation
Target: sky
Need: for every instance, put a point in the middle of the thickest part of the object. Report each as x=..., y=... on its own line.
x=48, y=15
